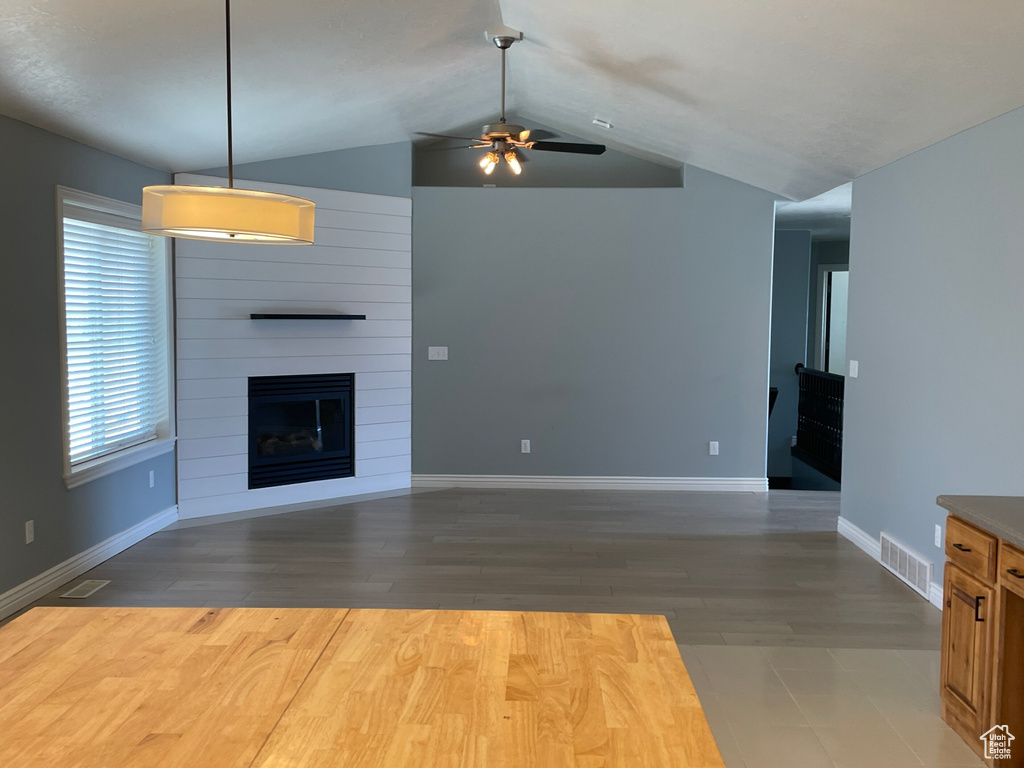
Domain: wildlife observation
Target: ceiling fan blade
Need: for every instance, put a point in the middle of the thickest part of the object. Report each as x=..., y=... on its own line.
x=446, y=136
x=451, y=149
x=567, y=146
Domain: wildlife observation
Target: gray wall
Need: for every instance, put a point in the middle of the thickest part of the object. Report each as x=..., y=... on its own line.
x=830, y=252
x=935, y=320
x=32, y=163
x=450, y=164
x=385, y=169
x=790, y=279
x=619, y=330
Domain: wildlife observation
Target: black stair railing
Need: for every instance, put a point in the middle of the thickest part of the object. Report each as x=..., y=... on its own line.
x=819, y=431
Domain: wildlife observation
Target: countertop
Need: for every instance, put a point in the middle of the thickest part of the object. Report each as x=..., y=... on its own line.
x=261, y=687
x=1002, y=516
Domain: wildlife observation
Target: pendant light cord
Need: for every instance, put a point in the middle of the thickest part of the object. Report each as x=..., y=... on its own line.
x=227, y=46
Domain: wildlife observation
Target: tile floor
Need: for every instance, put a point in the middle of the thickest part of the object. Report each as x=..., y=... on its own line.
x=787, y=707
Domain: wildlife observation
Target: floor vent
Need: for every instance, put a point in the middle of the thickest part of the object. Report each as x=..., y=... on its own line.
x=85, y=589
x=907, y=565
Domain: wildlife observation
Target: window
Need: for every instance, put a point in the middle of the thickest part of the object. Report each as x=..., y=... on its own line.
x=115, y=337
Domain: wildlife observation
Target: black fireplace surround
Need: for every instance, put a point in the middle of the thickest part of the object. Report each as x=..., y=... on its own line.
x=301, y=428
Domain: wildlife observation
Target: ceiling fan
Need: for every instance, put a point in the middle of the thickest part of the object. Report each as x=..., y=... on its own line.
x=507, y=140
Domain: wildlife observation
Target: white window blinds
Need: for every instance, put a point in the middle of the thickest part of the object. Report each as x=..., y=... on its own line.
x=115, y=313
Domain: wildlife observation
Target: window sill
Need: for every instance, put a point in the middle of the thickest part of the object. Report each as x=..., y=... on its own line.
x=115, y=462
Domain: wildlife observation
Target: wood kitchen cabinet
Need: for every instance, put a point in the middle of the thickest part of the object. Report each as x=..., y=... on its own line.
x=1008, y=673
x=982, y=673
x=967, y=637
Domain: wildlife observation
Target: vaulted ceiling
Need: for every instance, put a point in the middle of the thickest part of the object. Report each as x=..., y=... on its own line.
x=795, y=96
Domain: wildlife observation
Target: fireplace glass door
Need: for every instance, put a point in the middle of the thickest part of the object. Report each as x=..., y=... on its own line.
x=300, y=428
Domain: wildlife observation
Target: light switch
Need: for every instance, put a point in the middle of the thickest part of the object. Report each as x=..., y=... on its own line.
x=854, y=369
x=437, y=353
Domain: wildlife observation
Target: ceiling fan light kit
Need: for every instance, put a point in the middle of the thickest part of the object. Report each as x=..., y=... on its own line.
x=226, y=214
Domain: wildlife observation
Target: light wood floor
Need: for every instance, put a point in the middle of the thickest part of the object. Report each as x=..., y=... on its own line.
x=724, y=568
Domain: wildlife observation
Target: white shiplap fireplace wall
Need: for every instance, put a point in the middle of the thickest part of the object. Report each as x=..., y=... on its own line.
x=361, y=263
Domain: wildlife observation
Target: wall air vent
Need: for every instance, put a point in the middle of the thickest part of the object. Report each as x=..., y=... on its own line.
x=908, y=566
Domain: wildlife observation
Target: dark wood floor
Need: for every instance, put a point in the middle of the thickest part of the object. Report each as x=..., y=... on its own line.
x=725, y=568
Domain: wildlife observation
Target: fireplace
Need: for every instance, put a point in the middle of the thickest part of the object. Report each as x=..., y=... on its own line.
x=301, y=428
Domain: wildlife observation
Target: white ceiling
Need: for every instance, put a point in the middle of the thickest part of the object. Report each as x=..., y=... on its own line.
x=795, y=96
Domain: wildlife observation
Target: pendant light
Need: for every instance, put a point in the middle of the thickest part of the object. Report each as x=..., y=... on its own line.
x=226, y=214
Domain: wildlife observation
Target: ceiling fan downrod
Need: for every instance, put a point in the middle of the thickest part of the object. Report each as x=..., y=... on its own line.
x=504, y=42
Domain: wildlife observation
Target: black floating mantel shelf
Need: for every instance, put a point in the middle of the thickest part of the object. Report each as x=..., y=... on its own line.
x=293, y=316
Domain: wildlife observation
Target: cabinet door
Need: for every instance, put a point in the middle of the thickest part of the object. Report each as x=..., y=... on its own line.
x=967, y=633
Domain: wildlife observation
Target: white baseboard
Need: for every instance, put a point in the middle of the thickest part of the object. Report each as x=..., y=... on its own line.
x=249, y=514
x=860, y=537
x=873, y=547
x=741, y=484
x=24, y=594
x=318, y=492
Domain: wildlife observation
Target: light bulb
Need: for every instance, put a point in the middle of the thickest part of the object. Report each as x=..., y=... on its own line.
x=513, y=162
x=489, y=161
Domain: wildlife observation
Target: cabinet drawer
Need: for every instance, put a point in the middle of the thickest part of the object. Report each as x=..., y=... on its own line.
x=971, y=548
x=1011, y=567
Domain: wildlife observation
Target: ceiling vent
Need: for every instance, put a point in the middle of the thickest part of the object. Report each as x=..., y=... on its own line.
x=906, y=565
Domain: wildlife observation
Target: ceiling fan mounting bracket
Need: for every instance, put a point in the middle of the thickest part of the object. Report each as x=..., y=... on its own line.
x=503, y=37
x=505, y=42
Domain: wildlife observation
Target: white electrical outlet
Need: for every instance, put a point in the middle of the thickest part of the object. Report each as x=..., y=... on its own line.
x=437, y=353
x=854, y=369
x=524, y=446
x=30, y=531
x=713, y=448
x=938, y=536
x=152, y=478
